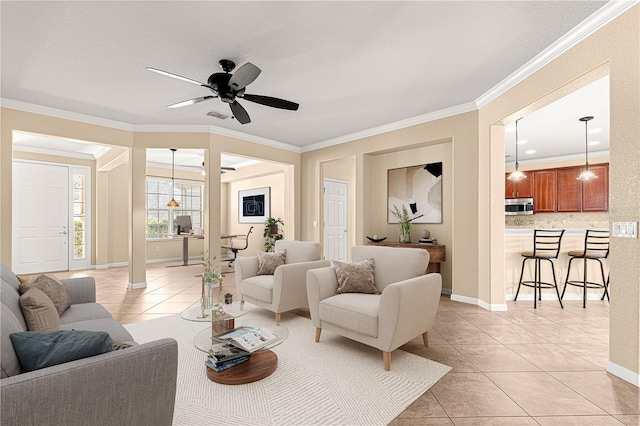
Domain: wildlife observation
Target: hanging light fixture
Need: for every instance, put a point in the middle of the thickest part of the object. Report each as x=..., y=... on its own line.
x=517, y=174
x=173, y=202
x=587, y=174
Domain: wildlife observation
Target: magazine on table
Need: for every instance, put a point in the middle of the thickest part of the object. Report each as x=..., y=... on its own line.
x=227, y=364
x=248, y=338
x=222, y=352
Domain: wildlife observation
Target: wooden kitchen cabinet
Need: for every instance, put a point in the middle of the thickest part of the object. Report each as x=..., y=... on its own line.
x=522, y=188
x=569, y=189
x=595, y=192
x=544, y=191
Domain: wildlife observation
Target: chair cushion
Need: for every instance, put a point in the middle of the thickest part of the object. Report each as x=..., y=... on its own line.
x=268, y=262
x=40, y=349
x=355, y=277
x=300, y=251
x=52, y=288
x=591, y=254
x=354, y=311
x=541, y=255
x=259, y=287
x=39, y=312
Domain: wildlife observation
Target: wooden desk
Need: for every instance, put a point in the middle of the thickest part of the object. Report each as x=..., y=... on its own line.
x=437, y=252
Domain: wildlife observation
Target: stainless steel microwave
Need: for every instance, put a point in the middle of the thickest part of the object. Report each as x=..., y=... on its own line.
x=517, y=206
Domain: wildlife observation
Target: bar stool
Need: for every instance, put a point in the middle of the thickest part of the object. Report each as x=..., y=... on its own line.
x=546, y=246
x=596, y=247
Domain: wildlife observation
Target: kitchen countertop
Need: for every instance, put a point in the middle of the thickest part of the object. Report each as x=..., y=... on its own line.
x=529, y=231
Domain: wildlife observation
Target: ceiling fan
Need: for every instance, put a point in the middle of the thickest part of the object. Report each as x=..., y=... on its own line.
x=223, y=169
x=228, y=87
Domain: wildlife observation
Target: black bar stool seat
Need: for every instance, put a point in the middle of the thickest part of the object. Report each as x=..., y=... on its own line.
x=596, y=247
x=546, y=247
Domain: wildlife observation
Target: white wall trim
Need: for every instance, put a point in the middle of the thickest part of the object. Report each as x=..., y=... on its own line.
x=169, y=259
x=445, y=291
x=600, y=18
x=132, y=286
x=592, y=156
x=474, y=301
x=425, y=118
x=624, y=373
x=64, y=114
x=55, y=152
x=551, y=295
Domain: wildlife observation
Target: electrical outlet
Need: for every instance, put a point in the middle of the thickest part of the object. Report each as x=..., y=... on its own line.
x=157, y=248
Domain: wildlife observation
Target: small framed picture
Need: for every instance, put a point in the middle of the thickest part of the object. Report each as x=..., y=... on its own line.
x=254, y=205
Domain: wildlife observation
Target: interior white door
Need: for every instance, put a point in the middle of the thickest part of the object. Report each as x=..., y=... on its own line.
x=335, y=219
x=40, y=218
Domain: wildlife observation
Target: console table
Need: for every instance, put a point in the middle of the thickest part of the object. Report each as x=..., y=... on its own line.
x=437, y=253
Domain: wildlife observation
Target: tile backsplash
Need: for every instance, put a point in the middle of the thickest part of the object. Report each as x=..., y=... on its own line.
x=559, y=220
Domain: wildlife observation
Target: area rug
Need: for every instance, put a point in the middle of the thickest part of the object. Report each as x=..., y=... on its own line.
x=334, y=382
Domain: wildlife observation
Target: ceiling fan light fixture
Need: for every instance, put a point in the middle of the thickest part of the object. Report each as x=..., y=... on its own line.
x=173, y=202
x=517, y=174
x=586, y=174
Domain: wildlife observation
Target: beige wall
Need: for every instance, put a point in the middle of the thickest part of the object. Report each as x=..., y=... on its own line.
x=411, y=157
x=258, y=176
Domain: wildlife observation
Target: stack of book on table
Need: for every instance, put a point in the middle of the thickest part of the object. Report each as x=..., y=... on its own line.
x=223, y=355
x=235, y=347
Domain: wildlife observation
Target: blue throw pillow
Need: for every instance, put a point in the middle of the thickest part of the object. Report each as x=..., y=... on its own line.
x=40, y=349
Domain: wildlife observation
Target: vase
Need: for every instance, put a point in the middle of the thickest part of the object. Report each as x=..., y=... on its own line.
x=405, y=238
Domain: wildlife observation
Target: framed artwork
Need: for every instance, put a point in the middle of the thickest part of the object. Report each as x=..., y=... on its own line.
x=254, y=205
x=419, y=190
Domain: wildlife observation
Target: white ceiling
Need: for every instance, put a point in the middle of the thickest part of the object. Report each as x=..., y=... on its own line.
x=352, y=66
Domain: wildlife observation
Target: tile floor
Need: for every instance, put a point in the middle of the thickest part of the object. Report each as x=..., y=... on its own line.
x=520, y=367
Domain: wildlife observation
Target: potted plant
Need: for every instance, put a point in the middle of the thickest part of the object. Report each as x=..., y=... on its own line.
x=272, y=232
x=405, y=223
x=228, y=298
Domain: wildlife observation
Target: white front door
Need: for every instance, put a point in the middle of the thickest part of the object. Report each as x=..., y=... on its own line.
x=336, y=218
x=40, y=218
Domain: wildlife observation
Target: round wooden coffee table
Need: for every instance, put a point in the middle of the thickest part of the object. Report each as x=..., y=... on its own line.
x=260, y=365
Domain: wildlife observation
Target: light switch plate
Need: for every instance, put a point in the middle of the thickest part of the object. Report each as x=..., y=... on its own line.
x=625, y=229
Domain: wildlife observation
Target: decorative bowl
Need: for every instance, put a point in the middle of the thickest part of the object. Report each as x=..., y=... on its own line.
x=377, y=240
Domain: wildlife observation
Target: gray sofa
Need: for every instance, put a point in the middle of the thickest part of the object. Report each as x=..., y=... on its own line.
x=132, y=386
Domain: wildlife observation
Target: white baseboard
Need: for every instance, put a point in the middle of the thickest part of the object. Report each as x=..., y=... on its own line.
x=494, y=307
x=170, y=259
x=102, y=266
x=554, y=296
x=624, y=373
x=132, y=286
x=446, y=291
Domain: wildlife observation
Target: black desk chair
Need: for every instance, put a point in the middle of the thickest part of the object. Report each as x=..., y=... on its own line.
x=596, y=247
x=236, y=244
x=546, y=246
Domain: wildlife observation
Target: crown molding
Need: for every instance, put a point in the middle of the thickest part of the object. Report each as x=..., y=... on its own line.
x=64, y=114
x=425, y=118
x=55, y=152
x=600, y=18
x=160, y=128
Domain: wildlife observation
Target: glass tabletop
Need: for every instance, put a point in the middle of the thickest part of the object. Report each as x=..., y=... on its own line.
x=203, y=341
x=194, y=313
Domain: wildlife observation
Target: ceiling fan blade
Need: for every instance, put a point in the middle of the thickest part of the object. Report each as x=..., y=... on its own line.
x=272, y=102
x=240, y=113
x=244, y=76
x=190, y=101
x=179, y=77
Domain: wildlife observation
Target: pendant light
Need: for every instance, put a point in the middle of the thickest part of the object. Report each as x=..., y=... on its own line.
x=173, y=202
x=517, y=174
x=587, y=174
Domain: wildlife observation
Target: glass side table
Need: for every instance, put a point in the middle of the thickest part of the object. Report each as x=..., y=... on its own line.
x=194, y=313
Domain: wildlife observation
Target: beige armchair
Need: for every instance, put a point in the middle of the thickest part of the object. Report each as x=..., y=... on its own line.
x=286, y=289
x=404, y=309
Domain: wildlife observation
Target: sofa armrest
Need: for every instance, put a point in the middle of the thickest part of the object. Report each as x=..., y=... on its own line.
x=321, y=284
x=407, y=309
x=81, y=289
x=133, y=386
x=290, y=284
x=245, y=267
